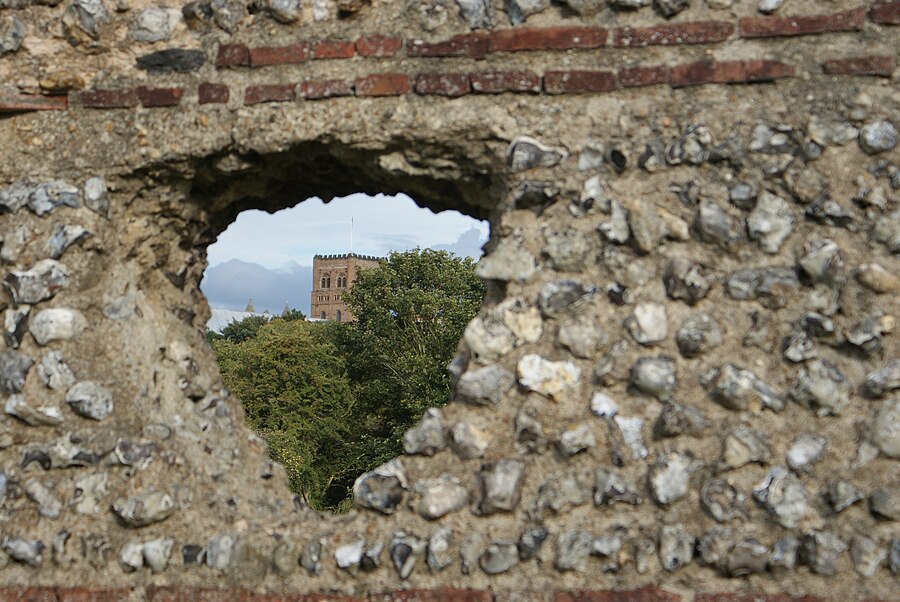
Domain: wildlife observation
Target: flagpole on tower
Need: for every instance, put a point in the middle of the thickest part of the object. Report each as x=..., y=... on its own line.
x=351, y=234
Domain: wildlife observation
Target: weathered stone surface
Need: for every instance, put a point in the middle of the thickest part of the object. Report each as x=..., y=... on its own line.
x=885, y=502
x=12, y=33
x=648, y=323
x=440, y=496
x=16, y=405
x=54, y=372
x=823, y=388
x=771, y=222
x=670, y=477
x=878, y=137
x=741, y=390
x=573, y=548
x=610, y=487
x=722, y=500
x=14, y=367
x=655, y=376
x=677, y=419
x=56, y=324
x=676, y=547
x=553, y=379
x=806, y=450
x=90, y=400
x=508, y=261
x=867, y=555
x=500, y=484
x=145, y=508
x=468, y=440
x=743, y=446
x=821, y=550
x=784, y=496
x=684, y=280
x=41, y=282
x=381, y=489
x=527, y=153
x=427, y=437
x=697, y=335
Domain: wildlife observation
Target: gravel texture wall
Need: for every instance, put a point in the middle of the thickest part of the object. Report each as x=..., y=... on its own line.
x=683, y=384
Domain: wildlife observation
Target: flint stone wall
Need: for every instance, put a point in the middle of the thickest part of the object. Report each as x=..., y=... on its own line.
x=683, y=382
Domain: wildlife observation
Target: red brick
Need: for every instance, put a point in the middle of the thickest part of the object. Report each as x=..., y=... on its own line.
x=159, y=97
x=233, y=55
x=280, y=55
x=269, y=93
x=887, y=13
x=472, y=45
x=326, y=88
x=28, y=594
x=632, y=77
x=378, y=46
x=11, y=101
x=91, y=595
x=769, y=27
x=448, y=594
x=645, y=594
x=208, y=93
x=496, y=82
x=703, y=32
x=729, y=72
x=108, y=99
x=333, y=49
x=569, y=82
x=383, y=84
x=864, y=65
x=443, y=84
x=550, y=38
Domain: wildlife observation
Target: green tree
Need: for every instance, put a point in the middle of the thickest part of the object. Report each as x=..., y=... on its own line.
x=411, y=312
x=292, y=382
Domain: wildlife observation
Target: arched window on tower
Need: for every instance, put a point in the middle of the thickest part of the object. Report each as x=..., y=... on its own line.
x=338, y=316
x=322, y=283
x=323, y=315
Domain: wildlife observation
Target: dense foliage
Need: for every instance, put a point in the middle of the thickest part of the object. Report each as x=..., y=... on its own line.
x=333, y=399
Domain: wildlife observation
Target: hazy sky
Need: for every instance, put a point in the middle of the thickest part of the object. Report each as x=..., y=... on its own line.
x=380, y=224
x=268, y=257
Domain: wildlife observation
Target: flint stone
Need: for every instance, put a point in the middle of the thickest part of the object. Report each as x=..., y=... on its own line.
x=222, y=550
x=843, y=494
x=582, y=336
x=40, y=283
x=821, y=551
x=887, y=231
x=12, y=33
x=799, y=346
x=670, y=8
x=509, y=261
x=632, y=429
x=713, y=225
x=145, y=508
x=130, y=453
x=96, y=196
x=500, y=483
x=655, y=376
x=894, y=556
x=440, y=496
x=439, y=556
x=529, y=432
x=822, y=388
x=807, y=449
x=499, y=557
x=427, y=437
x=713, y=548
x=648, y=323
x=867, y=334
x=470, y=552
x=519, y=10
x=284, y=11
x=14, y=367
x=90, y=493
x=878, y=137
x=676, y=547
x=740, y=390
x=157, y=553
x=311, y=557
x=131, y=557
x=748, y=556
x=607, y=547
x=585, y=7
x=527, y=153
x=827, y=211
x=611, y=487
x=670, y=477
x=697, y=335
x=478, y=12
x=877, y=278
x=13, y=242
x=743, y=195
x=153, y=24
x=603, y=406
x=553, y=379
x=349, y=555
x=485, y=385
x=57, y=324
x=468, y=441
x=381, y=489
x=886, y=428
x=822, y=261
x=769, y=286
x=50, y=195
x=90, y=400
x=722, y=500
x=885, y=502
x=15, y=196
x=784, y=496
x=784, y=554
x=771, y=222
x=531, y=541
x=64, y=236
x=616, y=230
x=405, y=551
x=32, y=416
x=677, y=419
x=27, y=551
x=647, y=229
x=228, y=14
x=557, y=297
x=578, y=439
x=572, y=550
x=49, y=506
x=743, y=446
x=54, y=372
x=684, y=280
x=559, y=493
x=867, y=555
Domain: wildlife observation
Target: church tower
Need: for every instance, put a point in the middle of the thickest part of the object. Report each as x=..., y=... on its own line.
x=333, y=277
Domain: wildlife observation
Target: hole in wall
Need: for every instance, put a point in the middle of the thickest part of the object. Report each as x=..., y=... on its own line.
x=333, y=323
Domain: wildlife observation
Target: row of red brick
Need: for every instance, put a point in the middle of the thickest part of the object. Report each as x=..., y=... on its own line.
x=193, y=594
x=478, y=45
x=455, y=84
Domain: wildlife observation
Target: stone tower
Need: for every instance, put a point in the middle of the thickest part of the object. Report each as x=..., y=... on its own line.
x=333, y=275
